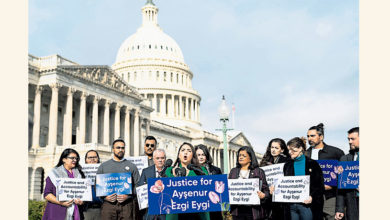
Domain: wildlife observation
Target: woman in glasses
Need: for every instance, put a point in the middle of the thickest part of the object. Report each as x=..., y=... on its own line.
x=185, y=156
x=67, y=167
x=312, y=207
x=247, y=167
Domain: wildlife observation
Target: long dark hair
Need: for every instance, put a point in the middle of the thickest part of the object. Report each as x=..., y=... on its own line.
x=253, y=164
x=209, y=159
x=194, y=159
x=268, y=156
x=65, y=154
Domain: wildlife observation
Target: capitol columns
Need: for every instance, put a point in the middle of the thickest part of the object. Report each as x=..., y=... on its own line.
x=195, y=110
x=106, y=123
x=147, y=126
x=154, y=104
x=127, y=130
x=117, y=127
x=172, y=107
x=163, y=105
x=95, y=118
x=53, y=118
x=187, y=107
x=136, y=132
x=83, y=100
x=67, y=138
x=181, y=112
x=37, y=117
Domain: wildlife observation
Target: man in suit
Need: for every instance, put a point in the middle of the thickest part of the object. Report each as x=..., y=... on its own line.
x=320, y=151
x=153, y=172
x=349, y=198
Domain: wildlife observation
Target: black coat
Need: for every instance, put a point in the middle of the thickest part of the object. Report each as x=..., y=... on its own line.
x=313, y=169
x=328, y=153
x=348, y=197
x=258, y=211
x=213, y=170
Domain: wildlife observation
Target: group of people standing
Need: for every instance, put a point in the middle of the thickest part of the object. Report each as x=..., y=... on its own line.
x=324, y=202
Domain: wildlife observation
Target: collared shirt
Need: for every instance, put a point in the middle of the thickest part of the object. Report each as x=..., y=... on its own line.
x=314, y=153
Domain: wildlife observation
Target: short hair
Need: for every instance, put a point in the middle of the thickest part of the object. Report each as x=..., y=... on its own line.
x=118, y=140
x=319, y=128
x=97, y=154
x=353, y=130
x=297, y=142
x=209, y=159
x=160, y=150
x=253, y=164
x=151, y=138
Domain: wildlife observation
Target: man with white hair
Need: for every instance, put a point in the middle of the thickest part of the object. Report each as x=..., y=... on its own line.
x=153, y=172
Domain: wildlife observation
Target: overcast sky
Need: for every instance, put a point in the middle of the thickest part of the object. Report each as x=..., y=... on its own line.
x=286, y=65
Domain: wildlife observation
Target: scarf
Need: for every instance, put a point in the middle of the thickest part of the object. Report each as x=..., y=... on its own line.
x=60, y=172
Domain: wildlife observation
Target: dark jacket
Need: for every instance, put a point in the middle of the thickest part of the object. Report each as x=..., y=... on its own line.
x=328, y=153
x=348, y=197
x=275, y=210
x=313, y=169
x=213, y=170
x=258, y=212
x=148, y=172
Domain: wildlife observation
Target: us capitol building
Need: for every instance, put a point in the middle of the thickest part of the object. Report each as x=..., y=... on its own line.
x=147, y=91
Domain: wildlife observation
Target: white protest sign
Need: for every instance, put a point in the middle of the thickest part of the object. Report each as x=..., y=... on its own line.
x=244, y=191
x=90, y=171
x=142, y=196
x=73, y=188
x=141, y=162
x=273, y=172
x=291, y=189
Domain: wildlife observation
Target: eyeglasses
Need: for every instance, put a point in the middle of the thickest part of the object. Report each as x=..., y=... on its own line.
x=149, y=145
x=73, y=158
x=120, y=148
x=90, y=158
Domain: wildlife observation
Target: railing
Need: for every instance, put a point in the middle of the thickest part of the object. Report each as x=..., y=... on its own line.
x=53, y=60
x=77, y=147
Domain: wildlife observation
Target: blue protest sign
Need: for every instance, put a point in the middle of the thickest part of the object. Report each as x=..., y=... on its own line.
x=188, y=194
x=329, y=170
x=348, y=175
x=107, y=184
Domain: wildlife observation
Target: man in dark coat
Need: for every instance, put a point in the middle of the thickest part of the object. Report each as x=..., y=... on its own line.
x=320, y=151
x=349, y=198
x=153, y=171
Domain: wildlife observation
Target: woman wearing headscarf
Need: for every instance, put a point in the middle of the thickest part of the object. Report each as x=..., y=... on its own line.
x=67, y=167
x=185, y=156
x=247, y=167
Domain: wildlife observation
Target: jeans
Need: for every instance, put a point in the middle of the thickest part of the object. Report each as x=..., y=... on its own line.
x=300, y=212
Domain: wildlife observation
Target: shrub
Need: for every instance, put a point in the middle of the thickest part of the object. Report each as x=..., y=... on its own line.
x=36, y=209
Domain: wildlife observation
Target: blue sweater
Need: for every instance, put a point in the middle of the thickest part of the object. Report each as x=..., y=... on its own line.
x=299, y=165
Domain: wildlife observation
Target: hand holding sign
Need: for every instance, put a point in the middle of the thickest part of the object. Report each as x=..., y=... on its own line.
x=121, y=198
x=66, y=203
x=111, y=198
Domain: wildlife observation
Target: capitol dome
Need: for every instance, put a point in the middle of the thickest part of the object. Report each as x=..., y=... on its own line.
x=153, y=62
x=149, y=42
